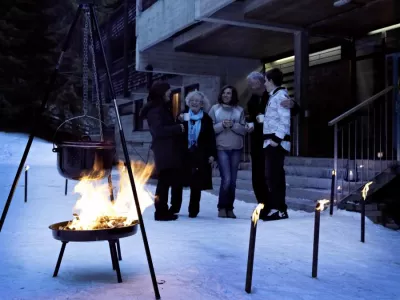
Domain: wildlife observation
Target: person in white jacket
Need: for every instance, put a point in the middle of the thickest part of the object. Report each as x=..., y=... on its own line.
x=276, y=133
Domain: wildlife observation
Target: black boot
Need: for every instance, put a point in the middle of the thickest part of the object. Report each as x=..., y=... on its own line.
x=165, y=216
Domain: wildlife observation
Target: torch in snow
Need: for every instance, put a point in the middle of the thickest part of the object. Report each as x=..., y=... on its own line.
x=364, y=195
x=332, y=192
x=26, y=183
x=66, y=187
x=252, y=245
x=318, y=208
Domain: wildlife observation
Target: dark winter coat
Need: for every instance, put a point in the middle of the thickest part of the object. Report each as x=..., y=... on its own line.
x=197, y=169
x=168, y=140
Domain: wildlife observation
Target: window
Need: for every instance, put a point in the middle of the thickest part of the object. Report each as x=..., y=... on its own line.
x=176, y=101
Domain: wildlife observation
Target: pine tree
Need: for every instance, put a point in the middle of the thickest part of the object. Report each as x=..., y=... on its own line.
x=26, y=50
x=31, y=35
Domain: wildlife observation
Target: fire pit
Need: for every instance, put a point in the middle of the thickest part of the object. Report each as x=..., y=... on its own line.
x=62, y=231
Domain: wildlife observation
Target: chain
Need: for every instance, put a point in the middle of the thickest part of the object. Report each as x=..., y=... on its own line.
x=95, y=81
x=85, y=74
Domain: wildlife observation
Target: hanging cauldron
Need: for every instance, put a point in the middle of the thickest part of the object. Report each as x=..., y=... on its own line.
x=92, y=160
x=85, y=158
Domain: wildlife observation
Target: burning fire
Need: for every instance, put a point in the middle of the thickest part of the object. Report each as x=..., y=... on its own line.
x=94, y=209
x=321, y=204
x=256, y=213
x=365, y=190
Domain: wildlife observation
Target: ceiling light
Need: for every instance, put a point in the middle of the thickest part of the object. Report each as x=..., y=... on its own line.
x=339, y=3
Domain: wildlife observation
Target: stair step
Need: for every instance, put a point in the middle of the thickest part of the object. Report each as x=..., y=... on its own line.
x=328, y=162
x=292, y=203
x=311, y=194
x=298, y=181
x=312, y=172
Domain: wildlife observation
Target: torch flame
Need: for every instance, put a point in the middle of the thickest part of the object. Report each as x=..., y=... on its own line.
x=94, y=204
x=365, y=190
x=256, y=213
x=321, y=204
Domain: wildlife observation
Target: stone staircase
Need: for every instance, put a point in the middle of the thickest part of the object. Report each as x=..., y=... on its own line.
x=307, y=181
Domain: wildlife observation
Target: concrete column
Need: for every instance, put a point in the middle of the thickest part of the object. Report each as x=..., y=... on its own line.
x=301, y=64
x=126, y=47
x=349, y=54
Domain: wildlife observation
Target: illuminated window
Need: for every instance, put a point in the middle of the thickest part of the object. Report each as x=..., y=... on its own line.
x=176, y=103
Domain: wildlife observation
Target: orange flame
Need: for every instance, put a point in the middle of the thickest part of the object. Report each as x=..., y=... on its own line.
x=94, y=202
x=365, y=190
x=256, y=213
x=321, y=204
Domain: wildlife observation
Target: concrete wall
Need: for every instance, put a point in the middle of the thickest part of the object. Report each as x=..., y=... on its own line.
x=162, y=20
x=209, y=85
x=205, y=8
x=167, y=17
x=231, y=70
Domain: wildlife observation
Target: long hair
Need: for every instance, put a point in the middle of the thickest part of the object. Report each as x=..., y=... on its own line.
x=235, y=98
x=204, y=99
x=157, y=92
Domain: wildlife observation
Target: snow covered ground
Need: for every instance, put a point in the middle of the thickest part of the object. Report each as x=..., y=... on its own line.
x=203, y=258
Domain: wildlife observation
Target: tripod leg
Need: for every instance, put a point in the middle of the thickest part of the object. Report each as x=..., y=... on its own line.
x=127, y=160
x=110, y=188
x=42, y=107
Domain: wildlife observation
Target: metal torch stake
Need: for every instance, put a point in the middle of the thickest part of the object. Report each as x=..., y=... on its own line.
x=332, y=194
x=26, y=185
x=316, y=241
x=363, y=221
x=250, y=258
x=66, y=187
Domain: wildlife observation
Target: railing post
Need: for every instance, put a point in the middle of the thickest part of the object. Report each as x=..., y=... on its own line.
x=335, y=160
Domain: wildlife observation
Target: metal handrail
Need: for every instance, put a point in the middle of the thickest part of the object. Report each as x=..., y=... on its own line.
x=379, y=143
x=359, y=106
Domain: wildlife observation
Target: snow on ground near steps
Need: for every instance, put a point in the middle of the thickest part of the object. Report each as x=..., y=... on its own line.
x=202, y=258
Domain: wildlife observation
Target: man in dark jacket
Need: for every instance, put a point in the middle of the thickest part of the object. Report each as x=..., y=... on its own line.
x=256, y=106
x=168, y=145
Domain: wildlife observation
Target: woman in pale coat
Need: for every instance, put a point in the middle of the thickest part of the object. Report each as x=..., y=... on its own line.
x=229, y=126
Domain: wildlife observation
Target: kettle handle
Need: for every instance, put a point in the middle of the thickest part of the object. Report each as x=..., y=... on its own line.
x=73, y=118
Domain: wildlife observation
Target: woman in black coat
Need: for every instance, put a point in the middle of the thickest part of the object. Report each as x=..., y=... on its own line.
x=168, y=145
x=201, y=149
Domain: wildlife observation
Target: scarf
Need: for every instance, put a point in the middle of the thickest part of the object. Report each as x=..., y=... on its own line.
x=194, y=126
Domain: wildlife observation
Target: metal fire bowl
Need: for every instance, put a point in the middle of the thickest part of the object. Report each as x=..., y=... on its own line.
x=91, y=235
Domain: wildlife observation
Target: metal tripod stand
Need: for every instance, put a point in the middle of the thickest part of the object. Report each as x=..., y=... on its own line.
x=87, y=5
